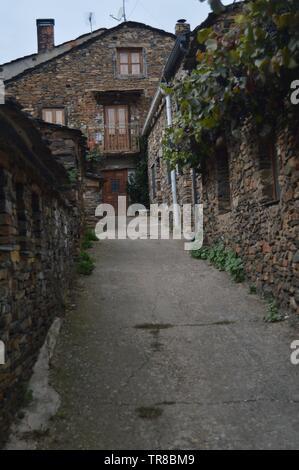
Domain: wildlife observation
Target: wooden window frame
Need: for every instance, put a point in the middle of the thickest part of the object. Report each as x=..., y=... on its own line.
x=54, y=112
x=130, y=51
x=270, y=146
x=124, y=138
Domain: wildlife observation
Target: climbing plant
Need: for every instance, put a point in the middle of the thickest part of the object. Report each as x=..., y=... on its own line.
x=245, y=68
x=138, y=187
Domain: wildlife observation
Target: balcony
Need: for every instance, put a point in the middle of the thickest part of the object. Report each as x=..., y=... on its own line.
x=122, y=138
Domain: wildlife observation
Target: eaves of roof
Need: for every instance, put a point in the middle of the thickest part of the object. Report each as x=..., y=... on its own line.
x=107, y=32
x=59, y=46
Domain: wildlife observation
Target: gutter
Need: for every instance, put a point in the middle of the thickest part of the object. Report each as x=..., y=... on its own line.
x=177, y=54
x=154, y=106
x=176, y=215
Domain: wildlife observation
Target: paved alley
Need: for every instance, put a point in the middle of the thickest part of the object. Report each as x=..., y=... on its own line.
x=165, y=352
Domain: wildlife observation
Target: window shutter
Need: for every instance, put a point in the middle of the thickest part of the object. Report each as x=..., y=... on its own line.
x=144, y=65
x=60, y=117
x=48, y=116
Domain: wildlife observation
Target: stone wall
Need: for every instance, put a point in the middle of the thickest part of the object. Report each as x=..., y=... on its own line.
x=251, y=202
x=39, y=239
x=262, y=230
x=68, y=147
x=242, y=211
x=92, y=198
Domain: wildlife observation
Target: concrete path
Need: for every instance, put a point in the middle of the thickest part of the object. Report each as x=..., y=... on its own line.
x=165, y=352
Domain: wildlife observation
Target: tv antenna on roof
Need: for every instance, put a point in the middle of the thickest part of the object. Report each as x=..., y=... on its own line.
x=91, y=19
x=122, y=16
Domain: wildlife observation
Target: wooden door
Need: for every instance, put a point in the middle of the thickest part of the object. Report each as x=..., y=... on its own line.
x=117, y=135
x=115, y=185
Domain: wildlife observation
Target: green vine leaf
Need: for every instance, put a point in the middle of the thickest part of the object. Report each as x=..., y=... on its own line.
x=246, y=68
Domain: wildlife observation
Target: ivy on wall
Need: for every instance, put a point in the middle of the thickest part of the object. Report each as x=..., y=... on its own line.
x=244, y=69
x=138, y=184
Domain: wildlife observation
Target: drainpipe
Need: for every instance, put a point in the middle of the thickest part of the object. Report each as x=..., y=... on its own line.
x=195, y=198
x=176, y=214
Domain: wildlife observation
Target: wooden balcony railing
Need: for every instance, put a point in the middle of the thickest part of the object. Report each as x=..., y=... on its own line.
x=122, y=138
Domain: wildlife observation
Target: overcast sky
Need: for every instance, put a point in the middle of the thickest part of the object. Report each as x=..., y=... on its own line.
x=18, y=30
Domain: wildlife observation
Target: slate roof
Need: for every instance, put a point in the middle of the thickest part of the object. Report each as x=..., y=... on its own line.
x=81, y=42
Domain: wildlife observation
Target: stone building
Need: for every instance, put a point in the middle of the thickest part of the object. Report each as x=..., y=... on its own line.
x=102, y=84
x=89, y=94
x=41, y=222
x=69, y=147
x=164, y=182
x=249, y=187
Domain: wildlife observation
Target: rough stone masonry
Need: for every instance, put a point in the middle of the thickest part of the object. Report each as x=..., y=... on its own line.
x=249, y=188
x=40, y=228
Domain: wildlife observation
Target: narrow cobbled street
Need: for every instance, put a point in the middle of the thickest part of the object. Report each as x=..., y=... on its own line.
x=165, y=352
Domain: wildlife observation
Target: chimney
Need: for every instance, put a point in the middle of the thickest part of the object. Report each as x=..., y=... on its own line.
x=45, y=35
x=182, y=27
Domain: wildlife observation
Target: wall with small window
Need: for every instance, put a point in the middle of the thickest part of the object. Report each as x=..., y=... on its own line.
x=250, y=204
x=54, y=116
x=130, y=62
x=249, y=188
x=125, y=63
x=269, y=168
x=40, y=229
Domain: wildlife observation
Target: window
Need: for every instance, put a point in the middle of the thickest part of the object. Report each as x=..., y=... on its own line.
x=269, y=170
x=115, y=186
x=130, y=62
x=117, y=136
x=54, y=115
x=223, y=180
